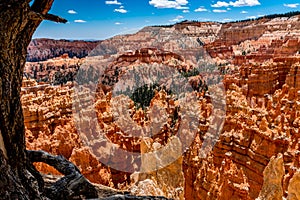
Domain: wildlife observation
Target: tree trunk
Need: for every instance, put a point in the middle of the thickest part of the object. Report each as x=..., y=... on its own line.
x=18, y=22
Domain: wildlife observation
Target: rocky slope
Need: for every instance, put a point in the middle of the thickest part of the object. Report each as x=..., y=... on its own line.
x=43, y=49
x=251, y=152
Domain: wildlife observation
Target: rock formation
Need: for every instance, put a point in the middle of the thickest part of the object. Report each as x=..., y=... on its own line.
x=293, y=190
x=49, y=127
x=256, y=151
x=255, y=130
x=273, y=175
x=44, y=49
x=273, y=181
x=54, y=71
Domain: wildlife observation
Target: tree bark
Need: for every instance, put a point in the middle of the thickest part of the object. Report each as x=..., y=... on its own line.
x=18, y=22
x=18, y=177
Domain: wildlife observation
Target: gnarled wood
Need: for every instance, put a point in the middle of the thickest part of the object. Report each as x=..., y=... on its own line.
x=18, y=177
x=38, y=16
x=16, y=30
x=72, y=185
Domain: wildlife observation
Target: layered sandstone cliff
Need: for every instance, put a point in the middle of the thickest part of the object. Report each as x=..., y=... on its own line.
x=44, y=49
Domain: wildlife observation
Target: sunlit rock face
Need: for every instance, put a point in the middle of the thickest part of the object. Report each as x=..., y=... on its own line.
x=273, y=175
x=255, y=154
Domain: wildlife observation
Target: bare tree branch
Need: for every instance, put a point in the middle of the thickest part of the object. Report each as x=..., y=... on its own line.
x=38, y=16
x=73, y=184
x=42, y=6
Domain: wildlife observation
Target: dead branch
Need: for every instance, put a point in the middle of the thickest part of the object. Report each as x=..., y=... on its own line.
x=38, y=16
x=42, y=6
x=72, y=185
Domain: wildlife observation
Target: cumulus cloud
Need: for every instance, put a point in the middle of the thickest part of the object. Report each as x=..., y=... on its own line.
x=115, y=2
x=120, y=10
x=251, y=17
x=227, y=20
x=177, y=4
x=201, y=9
x=242, y=3
x=177, y=19
x=238, y=3
x=118, y=23
x=185, y=11
x=244, y=12
x=72, y=12
x=219, y=11
x=292, y=5
x=220, y=4
x=79, y=21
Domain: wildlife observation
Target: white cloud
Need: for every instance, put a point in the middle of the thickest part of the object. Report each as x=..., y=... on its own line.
x=204, y=19
x=185, y=11
x=201, y=9
x=227, y=20
x=219, y=11
x=251, y=17
x=72, y=12
x=120, y=10
x=182, y=8
x=118, y=23
x=79, y=21
x=242, y=3
x=244, y=12
x=177, y=4
x=292, y=5
x=220, y=4
x=238, y=3
x=177, y=19
x=121, y=6
x=115, y=2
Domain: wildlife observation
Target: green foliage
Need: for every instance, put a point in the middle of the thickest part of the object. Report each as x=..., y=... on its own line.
x=272, y=16
x=190, y=73
x=289, y=14
x=170, y=25
x=143, y=95
x=62, y=78
x=85, y=76
x=164, y=26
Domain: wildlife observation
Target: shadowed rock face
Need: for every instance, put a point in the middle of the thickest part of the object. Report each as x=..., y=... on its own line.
x=260, y=61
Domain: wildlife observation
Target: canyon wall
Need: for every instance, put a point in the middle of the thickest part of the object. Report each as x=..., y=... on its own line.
x=44, y=49
x=256, y=150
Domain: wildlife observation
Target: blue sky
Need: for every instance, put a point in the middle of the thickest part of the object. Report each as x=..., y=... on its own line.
x=101, y=19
